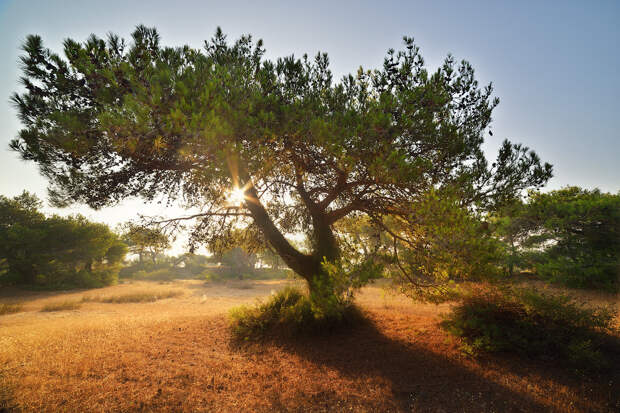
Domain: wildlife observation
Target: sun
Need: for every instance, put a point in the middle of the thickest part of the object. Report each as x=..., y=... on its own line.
x=235, y=197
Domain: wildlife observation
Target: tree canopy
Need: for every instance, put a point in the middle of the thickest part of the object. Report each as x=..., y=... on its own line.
x=145, y=240
x=112, y=119
x=570, y=236
x=54, y=252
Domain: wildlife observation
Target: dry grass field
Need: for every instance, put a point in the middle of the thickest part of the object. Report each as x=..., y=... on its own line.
x=167, y=347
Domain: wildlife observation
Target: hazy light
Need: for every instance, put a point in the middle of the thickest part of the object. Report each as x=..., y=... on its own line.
x=236, y=197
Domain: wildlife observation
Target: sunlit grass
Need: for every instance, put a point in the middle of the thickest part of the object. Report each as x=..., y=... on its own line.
x=10, y=308
x=177, y=355
x=135, y=297
x=61, y=306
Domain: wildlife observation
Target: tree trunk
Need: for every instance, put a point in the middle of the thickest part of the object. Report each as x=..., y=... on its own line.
x=302, y=264
x=325, y=250
x=310, y=267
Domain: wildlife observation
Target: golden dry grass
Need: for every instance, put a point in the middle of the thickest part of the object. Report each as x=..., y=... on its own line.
x=61, y=306
x=134, y=297
x=10, y=308
x=176, y=354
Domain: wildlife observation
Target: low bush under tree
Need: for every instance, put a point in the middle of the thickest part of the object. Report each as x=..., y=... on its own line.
x=291, y=312
x=525, y=322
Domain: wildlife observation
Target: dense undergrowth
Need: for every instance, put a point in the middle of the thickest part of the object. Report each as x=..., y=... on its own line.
x=535, y=325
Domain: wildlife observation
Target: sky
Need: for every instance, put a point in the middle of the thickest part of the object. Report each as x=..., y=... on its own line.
x=555, y=65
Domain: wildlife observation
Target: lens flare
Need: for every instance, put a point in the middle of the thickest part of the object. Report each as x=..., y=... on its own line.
x=235, y=197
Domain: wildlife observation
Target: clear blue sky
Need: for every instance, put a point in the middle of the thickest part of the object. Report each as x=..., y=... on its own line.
x=555, y=64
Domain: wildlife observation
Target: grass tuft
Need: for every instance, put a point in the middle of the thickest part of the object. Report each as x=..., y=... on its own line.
x=62, y=306
x=289, y=312
x=137, y=297
x=10, y=308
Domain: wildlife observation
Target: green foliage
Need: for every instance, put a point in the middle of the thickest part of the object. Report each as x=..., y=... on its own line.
x=333, y=292
x=55, y=252
x=533, y=324
x=145, y=240
x=440, y=243
x=237, y=262
x=580, y=234
x=194, y=264
x=111, y=119
x=569, y=236
x=289, y=312
x=162, y=274
x=512, y=227
x=166, y=268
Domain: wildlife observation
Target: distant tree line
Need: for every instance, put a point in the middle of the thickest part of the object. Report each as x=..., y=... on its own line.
x=569, y=236
x=54, y=251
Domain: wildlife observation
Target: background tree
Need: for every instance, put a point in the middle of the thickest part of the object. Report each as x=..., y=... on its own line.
x=439, y=243
x=145, y=240
x=278, y=145
x=19, y=221
x=55, y=252
x=573, y=237
x=513, y=226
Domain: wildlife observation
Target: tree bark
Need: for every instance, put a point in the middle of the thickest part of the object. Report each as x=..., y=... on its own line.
x=308, y=266
x=302, y=264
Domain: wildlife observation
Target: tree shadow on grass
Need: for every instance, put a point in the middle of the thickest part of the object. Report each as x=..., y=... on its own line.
x=420, y=379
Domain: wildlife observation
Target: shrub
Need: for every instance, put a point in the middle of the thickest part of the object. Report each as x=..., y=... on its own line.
x=289, y=312
x=162, y=274
x=533, y=324
x=145, y=270
x=587, y=270
x=10, y=308
x=61, y=306
x=211, y=275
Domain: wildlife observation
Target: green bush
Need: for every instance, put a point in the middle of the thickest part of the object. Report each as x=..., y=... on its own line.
x=533, y=324
x=162, y=274
x=585, y=270
x=212, y=275
x=138, y=270
x=289, y=312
